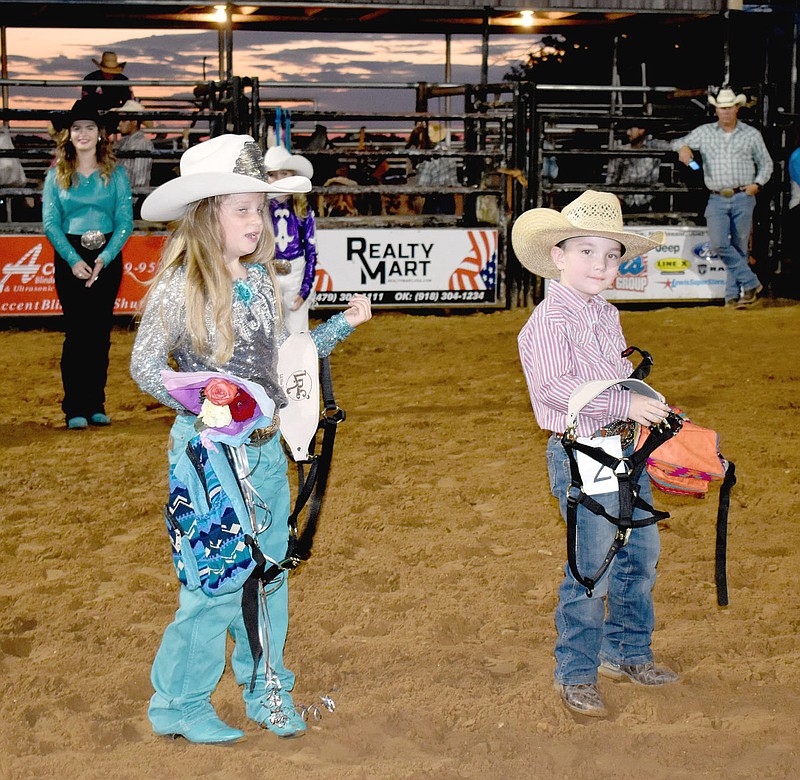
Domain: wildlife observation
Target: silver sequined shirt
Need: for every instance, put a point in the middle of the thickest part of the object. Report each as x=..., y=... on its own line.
x=162, y=334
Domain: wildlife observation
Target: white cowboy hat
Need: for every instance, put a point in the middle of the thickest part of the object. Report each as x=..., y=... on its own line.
x=727, y=98
x=225, y=165
x=278, y=158
x=593, y=213
x=108, y=63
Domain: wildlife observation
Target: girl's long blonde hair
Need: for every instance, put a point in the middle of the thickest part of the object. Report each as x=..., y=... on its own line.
x=196, y=243
x=66, y=163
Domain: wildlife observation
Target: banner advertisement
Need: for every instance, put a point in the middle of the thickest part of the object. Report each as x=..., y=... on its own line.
x=681, y=269
x=26, y=275
x=406, y=267
x=398, y=268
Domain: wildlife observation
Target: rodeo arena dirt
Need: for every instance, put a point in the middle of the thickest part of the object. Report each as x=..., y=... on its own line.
x=426, y=610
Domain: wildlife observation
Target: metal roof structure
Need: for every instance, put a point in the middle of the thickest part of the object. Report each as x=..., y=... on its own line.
x=368, y=16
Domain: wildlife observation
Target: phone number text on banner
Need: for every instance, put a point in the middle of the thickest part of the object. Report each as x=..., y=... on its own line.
x=405, y=267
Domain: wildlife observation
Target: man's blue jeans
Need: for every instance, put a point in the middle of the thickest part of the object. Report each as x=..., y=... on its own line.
x=729, y=222
x=586, y=634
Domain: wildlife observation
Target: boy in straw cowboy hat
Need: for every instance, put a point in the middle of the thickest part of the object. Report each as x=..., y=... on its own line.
x=104, y=98
x=294, y=225
x=214, y=306
x=736, y=165
x=573, y=337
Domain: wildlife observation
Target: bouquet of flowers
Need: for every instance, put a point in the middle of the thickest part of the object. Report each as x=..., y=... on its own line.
x=228, y=408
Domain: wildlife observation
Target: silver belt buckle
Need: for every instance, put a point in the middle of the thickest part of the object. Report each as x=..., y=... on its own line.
x=93, y=239
x=727, y=192
x=282, y=267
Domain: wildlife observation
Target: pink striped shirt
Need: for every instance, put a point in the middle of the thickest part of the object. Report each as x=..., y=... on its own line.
x=566, y=342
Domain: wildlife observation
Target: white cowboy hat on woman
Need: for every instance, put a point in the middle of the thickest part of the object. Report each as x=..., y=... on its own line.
x=278, y=158
x=593, y=213
x=727, y=98
x=225, y=165
x=108, y=63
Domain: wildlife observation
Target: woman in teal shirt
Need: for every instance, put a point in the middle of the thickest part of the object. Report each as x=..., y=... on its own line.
x=87, y=216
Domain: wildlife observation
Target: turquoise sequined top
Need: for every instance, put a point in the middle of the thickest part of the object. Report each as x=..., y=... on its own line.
x=89, y=204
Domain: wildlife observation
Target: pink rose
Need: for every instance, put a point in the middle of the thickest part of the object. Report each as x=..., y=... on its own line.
x=220, y=391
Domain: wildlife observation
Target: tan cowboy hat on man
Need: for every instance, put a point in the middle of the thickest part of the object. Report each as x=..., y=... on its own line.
x=108, y=63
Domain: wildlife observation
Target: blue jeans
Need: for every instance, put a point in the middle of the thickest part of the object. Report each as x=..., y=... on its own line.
x=191, y=659
x=617, y=622
x=729, y=222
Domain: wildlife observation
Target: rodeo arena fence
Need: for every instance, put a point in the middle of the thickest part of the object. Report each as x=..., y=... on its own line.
x=414, y=208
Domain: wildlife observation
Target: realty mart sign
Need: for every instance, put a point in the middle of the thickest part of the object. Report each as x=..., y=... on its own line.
x=406, y=267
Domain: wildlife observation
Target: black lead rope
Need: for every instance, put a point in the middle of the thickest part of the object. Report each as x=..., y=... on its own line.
x=629, y=498
x=310, y=492
x=721, y=553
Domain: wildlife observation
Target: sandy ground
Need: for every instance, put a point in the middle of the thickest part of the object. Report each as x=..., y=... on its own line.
x=427, y=609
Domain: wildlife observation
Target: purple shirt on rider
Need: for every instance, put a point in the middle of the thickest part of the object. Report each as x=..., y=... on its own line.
x=295, y=240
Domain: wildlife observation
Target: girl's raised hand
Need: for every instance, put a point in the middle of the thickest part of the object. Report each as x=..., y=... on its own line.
x=358, y=311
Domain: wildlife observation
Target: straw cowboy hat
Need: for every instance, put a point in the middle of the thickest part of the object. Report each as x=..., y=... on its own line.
x=133, y=107
x=727, y=98
x=108, y=63
x=278, y=158
x=593, y=213
x=225, y=165
x=436, y=133
x=81, y=109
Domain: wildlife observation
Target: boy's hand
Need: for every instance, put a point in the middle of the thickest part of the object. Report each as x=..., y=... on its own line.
x=647, y=411
x=359, y=310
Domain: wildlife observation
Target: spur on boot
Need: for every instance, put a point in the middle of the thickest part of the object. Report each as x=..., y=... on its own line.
x=200, y=725
x=276, y=712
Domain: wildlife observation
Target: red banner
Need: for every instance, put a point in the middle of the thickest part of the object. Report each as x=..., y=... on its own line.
x=26, y=274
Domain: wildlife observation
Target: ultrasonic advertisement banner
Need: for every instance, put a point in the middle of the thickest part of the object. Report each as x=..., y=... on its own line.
x=26, y=275
x=680, y=269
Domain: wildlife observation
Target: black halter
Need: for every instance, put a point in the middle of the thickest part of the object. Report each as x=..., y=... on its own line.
x=629, y=498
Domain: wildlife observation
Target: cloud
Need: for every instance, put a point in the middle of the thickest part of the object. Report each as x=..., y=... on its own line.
x=273, y=57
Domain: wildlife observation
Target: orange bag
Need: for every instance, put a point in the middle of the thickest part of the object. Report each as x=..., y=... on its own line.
x=685, y=464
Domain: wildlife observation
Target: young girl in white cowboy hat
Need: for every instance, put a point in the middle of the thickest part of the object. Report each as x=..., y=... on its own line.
x=573, y=337
x=214, y=307
x=294, y=225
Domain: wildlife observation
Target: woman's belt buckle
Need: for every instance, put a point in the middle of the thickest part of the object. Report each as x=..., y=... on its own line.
x=93, y=239
x=282, y=267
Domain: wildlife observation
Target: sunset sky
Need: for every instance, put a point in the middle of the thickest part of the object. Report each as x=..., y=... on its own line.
x=272, y=57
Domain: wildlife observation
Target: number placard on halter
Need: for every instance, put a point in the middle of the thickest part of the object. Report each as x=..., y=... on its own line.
x=298, y=375
x=596, y=477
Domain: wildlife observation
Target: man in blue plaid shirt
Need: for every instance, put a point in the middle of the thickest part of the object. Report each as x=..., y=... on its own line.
x=736, y=165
